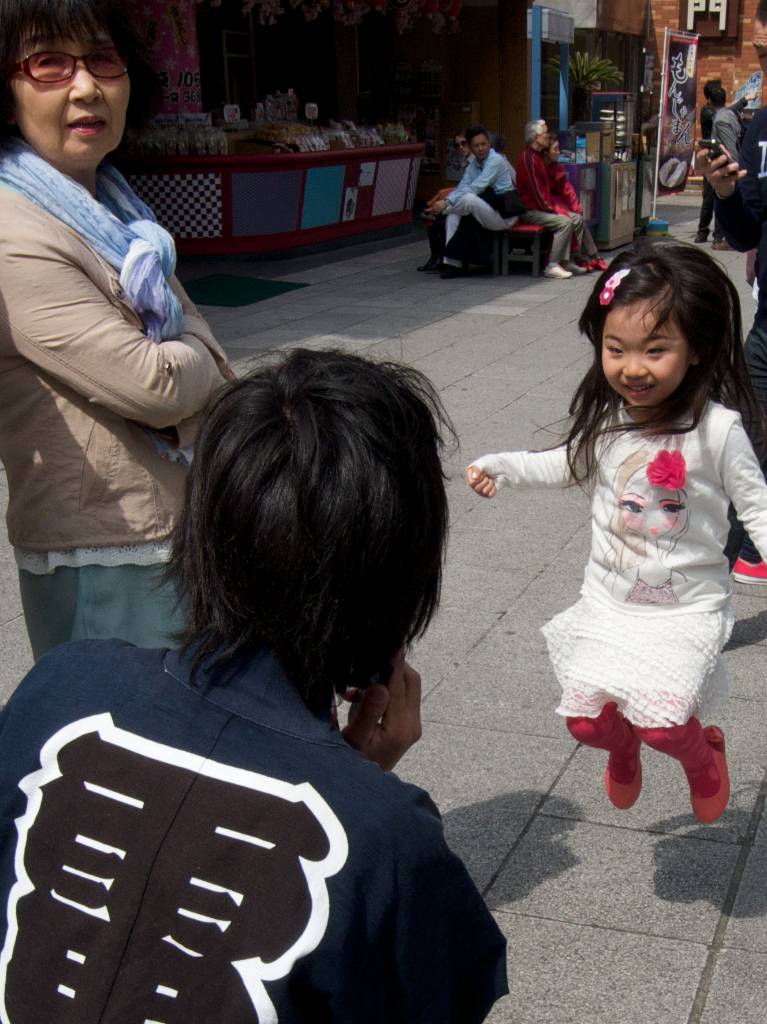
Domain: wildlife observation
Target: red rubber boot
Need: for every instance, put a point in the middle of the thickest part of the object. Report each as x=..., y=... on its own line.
x=701, y=753
x=610, y=731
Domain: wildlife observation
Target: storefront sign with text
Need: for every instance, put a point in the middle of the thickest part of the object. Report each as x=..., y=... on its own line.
x=718, y=18
x=170, y=29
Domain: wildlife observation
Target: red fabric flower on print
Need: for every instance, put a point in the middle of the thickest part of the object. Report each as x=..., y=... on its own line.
x=668, y=470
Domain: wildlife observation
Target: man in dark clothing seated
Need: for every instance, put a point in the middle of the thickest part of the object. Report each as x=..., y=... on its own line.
x=481, y=203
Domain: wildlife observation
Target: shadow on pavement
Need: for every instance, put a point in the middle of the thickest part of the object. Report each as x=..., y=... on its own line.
x=688, y=873
x=485, y=834
x=748, y=631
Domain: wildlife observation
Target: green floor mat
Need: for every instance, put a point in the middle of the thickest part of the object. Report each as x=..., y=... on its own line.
x=230, y=290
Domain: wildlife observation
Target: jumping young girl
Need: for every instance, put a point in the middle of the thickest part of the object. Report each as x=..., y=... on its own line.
x=657, y=435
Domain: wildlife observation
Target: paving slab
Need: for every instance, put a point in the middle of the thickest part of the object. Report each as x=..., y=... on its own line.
x=16, y=657
x=486, y=785
x=464, y=617
x=667, y=886
x=569, y=974
x=738, y=992
x=493, y=696
x=747, y=926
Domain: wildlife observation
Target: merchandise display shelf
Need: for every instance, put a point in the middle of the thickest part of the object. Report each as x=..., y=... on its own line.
x=268, y=202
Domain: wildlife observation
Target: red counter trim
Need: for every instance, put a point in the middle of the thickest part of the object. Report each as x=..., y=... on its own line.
x=172, y=186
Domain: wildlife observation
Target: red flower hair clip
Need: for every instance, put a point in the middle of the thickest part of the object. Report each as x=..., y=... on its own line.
x=667, y=470
x=608, y=292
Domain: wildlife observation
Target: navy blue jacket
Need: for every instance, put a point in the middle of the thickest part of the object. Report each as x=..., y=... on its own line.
x=204, y=848
x=742, y=215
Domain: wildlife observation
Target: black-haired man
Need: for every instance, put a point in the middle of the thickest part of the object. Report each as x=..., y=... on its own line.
x=186, y=834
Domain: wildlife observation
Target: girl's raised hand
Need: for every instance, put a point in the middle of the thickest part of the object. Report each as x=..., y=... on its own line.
x=480, y=482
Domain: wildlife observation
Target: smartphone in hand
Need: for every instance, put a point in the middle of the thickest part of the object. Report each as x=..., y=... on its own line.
x=382, y=676
x=714, y=148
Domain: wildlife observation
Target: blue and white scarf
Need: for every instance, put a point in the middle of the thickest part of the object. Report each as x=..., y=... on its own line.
x=116, y=223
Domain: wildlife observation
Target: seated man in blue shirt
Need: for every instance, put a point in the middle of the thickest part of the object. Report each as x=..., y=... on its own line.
x=186, y=834
x=484, y=193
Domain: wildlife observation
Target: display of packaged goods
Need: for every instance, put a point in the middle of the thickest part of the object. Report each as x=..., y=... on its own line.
x=179, y=140
x=337, y=135
x=281, y=106
x=170, y=138
x=395, y=134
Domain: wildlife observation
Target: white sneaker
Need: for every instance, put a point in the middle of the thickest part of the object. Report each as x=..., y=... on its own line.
x=574, y=268
x=556, y=271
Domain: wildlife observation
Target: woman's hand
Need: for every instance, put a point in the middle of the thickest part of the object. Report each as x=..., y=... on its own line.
x=723, y=174
x=480, y=482
x=438, y=207
x=388, y=721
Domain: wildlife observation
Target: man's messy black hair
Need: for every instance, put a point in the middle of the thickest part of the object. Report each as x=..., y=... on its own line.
x=316, y=518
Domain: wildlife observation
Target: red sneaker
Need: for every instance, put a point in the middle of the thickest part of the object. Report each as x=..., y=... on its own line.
x=598, y=264
x=586, y=264
x=708, y=808
x=748, y=572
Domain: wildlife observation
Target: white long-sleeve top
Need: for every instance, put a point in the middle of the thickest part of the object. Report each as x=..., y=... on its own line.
x=659, y=543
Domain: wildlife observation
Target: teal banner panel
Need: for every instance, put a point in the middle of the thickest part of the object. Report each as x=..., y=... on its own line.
x=322, y=196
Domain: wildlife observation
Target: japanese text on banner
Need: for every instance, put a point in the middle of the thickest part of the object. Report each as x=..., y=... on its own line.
x=678, y=106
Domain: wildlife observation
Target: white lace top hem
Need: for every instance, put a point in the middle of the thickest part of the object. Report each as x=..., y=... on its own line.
x=41, y=563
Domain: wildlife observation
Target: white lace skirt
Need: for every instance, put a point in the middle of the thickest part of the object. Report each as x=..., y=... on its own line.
x=659, y=669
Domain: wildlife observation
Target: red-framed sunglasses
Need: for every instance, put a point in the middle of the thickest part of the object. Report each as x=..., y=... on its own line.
x=50, y=66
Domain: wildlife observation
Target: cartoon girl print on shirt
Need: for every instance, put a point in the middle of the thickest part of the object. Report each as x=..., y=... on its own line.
x=651, y=515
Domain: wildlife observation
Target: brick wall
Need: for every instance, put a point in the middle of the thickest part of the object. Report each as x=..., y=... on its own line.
x=732, y=60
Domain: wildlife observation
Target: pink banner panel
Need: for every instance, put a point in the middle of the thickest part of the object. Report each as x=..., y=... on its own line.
x=170, y=29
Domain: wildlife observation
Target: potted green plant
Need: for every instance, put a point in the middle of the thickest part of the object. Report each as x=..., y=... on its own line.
x=586, y=74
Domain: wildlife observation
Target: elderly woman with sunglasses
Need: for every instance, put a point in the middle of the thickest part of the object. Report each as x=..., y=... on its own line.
x=105, y=361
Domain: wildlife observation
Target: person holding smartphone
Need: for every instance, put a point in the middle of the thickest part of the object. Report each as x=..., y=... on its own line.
x=730, y=133
x=229, y=853
x=726, y=129
x=740, y=203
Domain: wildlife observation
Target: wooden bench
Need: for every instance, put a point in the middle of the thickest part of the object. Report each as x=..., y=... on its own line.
x=524, y=243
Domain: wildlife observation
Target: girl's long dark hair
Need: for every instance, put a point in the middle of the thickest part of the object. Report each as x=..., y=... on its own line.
x=683, y=284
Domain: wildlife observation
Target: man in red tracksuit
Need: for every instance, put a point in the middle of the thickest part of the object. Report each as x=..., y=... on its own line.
x=535, y=192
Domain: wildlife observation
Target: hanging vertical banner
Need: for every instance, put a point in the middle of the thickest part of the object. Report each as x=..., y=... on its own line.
x=676, y=131
x=170, y=30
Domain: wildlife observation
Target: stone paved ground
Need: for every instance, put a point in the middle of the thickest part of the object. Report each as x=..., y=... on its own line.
x=643, y=917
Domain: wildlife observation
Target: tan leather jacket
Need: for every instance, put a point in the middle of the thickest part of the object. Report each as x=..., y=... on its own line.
x=77, y=377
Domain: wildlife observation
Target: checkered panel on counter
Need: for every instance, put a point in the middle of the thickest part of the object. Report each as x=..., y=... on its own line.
x=391, y=186
x=188, y=205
